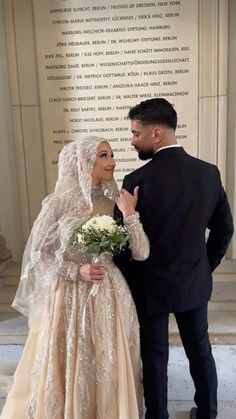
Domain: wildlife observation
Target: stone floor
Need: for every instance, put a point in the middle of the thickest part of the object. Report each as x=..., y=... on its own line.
x=180, y=385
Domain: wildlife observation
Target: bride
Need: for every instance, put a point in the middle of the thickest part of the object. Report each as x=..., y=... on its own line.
x=81, y=359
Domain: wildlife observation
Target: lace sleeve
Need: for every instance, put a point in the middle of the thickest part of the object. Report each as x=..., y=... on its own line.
x=68, y=271
x=67, y=268
x=138, y=241
x=51, y=252
x=73, y=259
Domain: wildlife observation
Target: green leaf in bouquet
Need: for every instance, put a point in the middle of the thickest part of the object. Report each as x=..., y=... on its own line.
x=94, y=248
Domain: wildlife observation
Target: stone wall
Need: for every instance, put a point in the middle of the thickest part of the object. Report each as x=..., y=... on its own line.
x=216, y=112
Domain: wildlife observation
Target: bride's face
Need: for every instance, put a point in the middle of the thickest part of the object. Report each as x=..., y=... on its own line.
x=104, y=165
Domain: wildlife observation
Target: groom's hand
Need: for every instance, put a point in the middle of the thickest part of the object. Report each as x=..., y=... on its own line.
x=92, y=272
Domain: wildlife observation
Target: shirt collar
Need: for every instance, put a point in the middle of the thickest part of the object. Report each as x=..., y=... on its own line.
x=168, y=146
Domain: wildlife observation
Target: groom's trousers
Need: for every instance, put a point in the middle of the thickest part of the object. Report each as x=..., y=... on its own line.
x=193, y=329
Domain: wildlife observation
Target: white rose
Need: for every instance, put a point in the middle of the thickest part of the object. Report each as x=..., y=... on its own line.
x=105, y=222
x=89, y=223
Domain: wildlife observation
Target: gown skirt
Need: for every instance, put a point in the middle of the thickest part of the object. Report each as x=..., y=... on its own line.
x=81, y=359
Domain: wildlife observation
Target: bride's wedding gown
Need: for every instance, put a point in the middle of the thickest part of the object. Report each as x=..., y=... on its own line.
x=82, y=359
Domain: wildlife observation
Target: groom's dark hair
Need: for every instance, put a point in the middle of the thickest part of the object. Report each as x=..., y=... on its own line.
x=154, y=111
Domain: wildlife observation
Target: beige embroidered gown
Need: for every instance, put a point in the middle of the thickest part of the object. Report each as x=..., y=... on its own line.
x=82, y=358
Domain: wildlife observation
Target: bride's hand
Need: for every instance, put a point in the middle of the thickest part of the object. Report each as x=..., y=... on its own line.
x=92, y=272
x=126, y=202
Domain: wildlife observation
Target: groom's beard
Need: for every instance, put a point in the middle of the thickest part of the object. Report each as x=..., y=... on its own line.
x=146, y=155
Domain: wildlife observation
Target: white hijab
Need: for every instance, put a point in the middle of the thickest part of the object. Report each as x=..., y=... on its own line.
x=69, y=206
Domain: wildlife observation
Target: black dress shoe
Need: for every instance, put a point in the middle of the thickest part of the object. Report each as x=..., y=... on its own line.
x=193, y=413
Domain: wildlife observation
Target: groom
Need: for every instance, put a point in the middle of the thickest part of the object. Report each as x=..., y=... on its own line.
x=179, y=198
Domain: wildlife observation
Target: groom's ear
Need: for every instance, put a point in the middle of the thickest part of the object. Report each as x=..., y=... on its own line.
x=157, y=134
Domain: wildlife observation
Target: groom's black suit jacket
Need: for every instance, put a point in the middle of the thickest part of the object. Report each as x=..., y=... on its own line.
x=179, y=198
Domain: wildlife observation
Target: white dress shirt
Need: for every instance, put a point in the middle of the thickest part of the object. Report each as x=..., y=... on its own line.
x=168, y=146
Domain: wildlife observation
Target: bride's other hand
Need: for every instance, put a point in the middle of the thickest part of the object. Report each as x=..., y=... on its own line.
x=126, y=202
x=92, y=272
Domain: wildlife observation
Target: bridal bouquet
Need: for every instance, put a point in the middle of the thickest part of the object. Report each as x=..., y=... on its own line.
x=100, y=234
